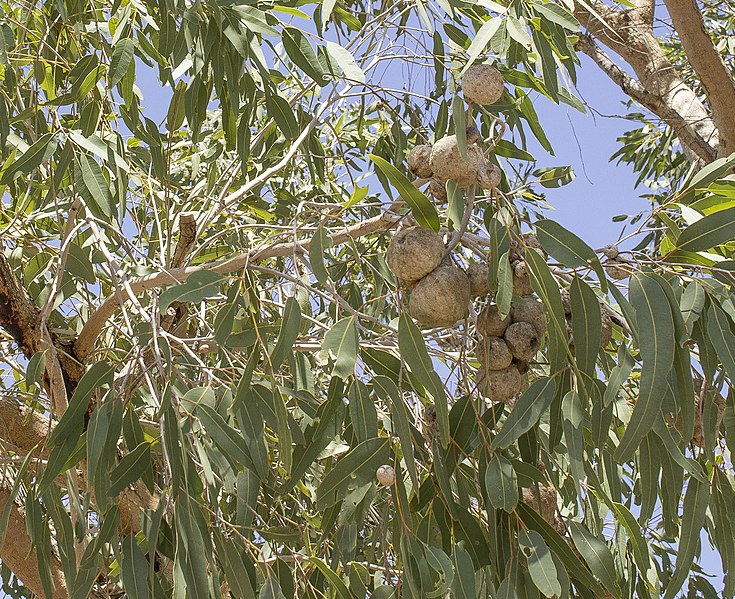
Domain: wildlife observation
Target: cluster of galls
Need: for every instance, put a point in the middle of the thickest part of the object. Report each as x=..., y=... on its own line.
x=507, y=344
x=442, y=162
x=440, y=291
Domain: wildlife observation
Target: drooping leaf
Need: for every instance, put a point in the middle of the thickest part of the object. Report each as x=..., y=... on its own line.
x=526, y=411
x=288, y=333
x=696, y=500
x=568, y=248
x=501, y=484
x=423, y=210
x=597, y=555
x=541, y=565
x=342, y=342
x=413, y=349
x=656, y=341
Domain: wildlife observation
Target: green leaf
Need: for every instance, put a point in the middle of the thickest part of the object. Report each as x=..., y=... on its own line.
x=271, y=589
x=545, y=285
x=198, y=287
x=557, y=14
x=505, y=286
x=41, y=150
x=363, y=414
x=597, y=555
x=586, y=325
x=421, y=207
x=635, y=537
x=346, y=62
x=299, y=50
x=573, y=416
x=92, y=186
x=413, y=351
x=703, y=177
x=334, y=580
x=656, y=341
x=233, y=565
x=708, y=232
x=342, y=342
x=134, y=570
x=501, y=484
x=556, y=176
x=388, y=390
x=722, y=337
x=696, y=500
x=252, y=429
x=232, y=444
x=526, y=411
x=459, y=117
x=35, y=369
x=320, y=243
x=506, y=148
x=130, y=469
x=280, y=111
x=560, y=546
x=353, y=470
x=567, y=248
x=482, y=39
x=288, y=333
x=541, y=565
x=463, y=584
x=72, y=422
x=122, y=58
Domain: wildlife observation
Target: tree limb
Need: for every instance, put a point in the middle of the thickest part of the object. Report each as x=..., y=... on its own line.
x=22, y=319
x=709, y=66
x=629, y=35
x=17, y=552
x=92, y=328
x=656, y=104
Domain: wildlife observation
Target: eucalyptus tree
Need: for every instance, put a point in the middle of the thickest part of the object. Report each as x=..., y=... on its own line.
x=213, y=380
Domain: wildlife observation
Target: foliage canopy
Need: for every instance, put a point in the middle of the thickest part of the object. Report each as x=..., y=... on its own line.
x=206, y=357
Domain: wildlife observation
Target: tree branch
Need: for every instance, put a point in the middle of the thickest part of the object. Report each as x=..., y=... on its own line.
x=17, y=552
x=709, y=66
x=25, y=429
x=629, y=35
x=22, y=319
x=92, y=328
x=640, y=94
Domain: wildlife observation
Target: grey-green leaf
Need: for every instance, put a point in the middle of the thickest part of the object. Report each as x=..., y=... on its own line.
x=541, y=565
x=423, y=210
x=597, y=555
x=342, y=342
x=656, y=340
x=568, y=248
x=501, y=484
x=526, y=411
